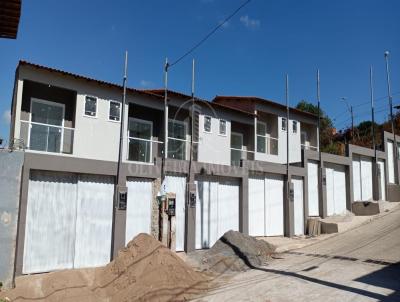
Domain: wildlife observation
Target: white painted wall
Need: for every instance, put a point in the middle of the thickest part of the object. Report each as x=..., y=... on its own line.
x=213, y=147
x=94, y=137
x=294, y=145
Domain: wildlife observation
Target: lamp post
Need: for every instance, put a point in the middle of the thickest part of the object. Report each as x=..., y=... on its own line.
x=395, y=152
x=350, y=107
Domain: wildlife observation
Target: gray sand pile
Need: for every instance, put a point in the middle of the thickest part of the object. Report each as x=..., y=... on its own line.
x=143, y=271
x=235, y=252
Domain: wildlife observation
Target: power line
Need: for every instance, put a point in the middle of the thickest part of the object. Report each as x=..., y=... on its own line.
x=209, y=34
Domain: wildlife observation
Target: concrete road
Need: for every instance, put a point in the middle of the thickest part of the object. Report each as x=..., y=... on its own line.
x=362, y=264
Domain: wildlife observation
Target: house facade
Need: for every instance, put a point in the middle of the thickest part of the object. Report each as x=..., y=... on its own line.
x=230, y=152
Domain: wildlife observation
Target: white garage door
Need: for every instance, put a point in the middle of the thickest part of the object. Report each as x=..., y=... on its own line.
x=93, y=221
x=382, y=179
x=390, y=155
x=177, y=185
x=266, y=205
x=217, y=210
x=298, y=206
x=336, y=189
x=68, y=222
x=313, y=196
x=138, y=208
x=362, y=178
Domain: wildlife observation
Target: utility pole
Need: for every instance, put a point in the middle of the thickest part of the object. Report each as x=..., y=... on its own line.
x=371, y=87
x=165, y=154
x=120, y=192
x=390, y=103
x=287, y=127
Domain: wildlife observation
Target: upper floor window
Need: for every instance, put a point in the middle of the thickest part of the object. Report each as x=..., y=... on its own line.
x=222, y=127
x=294, y=125
x=115, y=111
x=284, y=124
x=177, y=139
x=90, y=106
x=261, y=137
x=207, y=124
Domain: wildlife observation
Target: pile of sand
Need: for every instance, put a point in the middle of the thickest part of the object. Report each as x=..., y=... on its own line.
x=143, y=271
x=235, y=252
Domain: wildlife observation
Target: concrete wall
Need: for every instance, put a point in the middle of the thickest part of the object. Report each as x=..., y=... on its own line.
x=10, y=185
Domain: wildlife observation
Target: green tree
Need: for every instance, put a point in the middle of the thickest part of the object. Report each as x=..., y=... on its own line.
x=327, y=131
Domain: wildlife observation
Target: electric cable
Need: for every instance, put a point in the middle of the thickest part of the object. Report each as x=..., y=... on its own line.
x=198, y=44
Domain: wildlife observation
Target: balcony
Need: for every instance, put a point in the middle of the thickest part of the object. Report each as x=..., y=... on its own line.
x=46, y=137
x=267, y=145
x=308, y=147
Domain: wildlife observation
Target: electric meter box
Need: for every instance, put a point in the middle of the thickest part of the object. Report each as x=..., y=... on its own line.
x=170, y=204
x=122, y=198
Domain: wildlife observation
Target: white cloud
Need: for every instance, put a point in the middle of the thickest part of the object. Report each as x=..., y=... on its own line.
x=145, y=83
x=250, y=23
x=6, y=116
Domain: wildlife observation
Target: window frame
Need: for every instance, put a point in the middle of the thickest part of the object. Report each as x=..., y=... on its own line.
x=204, y=124
x=265, y=136
x=46, y=102
x=141, y=139
x=219, y=128
x=293, y=126
x=185, y=126
x=284, y=122
x=97, y=107
x=109, y=109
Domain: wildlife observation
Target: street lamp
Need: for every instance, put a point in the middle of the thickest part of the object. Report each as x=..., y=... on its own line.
x=350, y=107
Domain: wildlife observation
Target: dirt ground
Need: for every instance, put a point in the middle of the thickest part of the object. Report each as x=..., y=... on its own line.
x=361, y=264
x=144, y=271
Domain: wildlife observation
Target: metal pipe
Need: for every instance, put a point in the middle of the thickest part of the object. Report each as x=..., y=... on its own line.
x=287, y=126
x=319, y=114
x=166, y=66
x=121, y=132
x=371, y=87
x=390, y=102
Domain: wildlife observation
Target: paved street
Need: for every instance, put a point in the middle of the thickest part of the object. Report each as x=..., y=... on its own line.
x=362, y=264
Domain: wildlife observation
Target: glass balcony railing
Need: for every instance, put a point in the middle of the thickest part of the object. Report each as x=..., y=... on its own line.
x=46, y=137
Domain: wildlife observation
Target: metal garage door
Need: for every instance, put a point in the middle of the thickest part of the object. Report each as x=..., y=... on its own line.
x=390, y=155
x=313, y=195
x=298, y=206
x=177, y=185
x=217, y=210
x=362, y=178
x=266, y=205
x=138, y=210
x=336, y=189
x=382, y=179
x=93, y=220
x=68, y=222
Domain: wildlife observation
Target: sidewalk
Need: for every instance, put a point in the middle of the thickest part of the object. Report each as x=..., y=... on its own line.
x=284, y=244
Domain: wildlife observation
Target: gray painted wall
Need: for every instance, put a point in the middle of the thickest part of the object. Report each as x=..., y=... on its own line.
x=10, y=185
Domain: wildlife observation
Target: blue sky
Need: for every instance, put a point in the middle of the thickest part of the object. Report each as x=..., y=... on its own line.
x=248, y=56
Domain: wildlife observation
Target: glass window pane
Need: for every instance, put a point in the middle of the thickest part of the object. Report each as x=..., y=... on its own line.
x=54, y=140
x=284, y=124
x=90, y=106
x=176, y=149
x=294, y=127
x=47, y=113
x=222, y=127
x=38, y=137
x=261, y=144
x=236, y=155
x=115, y=109
x=207, y=124
x=261, y=129
x=176, y=130
x=236, y=141
x=140, y=129
x=139, y=150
